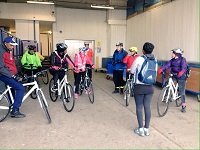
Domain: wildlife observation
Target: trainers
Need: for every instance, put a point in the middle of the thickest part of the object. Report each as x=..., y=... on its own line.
x=115, y=91
x=183, y=110
x=146, y=131
x=17, y=114
x=76, y=96
x=139, y=131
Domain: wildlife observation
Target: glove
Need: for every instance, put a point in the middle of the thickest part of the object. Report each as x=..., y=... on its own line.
x=55, y=67
x=160, y=71
x=180, y=73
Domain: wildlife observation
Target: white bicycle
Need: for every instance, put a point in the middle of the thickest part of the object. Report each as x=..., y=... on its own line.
x=6, y=103
x=168, y=94
x=65, y=90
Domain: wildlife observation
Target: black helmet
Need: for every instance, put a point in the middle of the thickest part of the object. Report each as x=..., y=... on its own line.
x=148, y=47
x=31, y=47
x=61, y=47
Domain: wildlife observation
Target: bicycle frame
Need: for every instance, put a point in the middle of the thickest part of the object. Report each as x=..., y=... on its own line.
x=173, y=88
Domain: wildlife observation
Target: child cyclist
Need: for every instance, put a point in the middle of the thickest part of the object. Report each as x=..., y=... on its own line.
x=59, y=59
x=178, y=67
x=129, y=59
x=80, y=60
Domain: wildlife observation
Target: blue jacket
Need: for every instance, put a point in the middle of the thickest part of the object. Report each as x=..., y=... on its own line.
x=117, y=59
x=176, y=65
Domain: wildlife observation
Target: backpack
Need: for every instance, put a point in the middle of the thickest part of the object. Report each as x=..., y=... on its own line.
x=148, y=71
x=188, y=71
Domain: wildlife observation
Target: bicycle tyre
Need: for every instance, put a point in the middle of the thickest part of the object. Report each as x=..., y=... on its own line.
x=163, y=101
x=4, y=107
x=44, y=105
x=178, y=100
x=80, y=91
x=90, y=93
x=128, y=93
x=33, y=94
x=53, y=94
x=45, y=77
x=68, y=97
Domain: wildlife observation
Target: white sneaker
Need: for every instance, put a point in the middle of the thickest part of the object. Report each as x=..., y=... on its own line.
x=146, y=131
x=139, y=131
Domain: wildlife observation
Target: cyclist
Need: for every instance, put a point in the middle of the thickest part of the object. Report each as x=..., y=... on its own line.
x=29, y=57
x=178, y=67
x=90, y=55
x=80, y=60
x=8, y=74
x=142, y=92
x=129, y=59
x=59, y=59
x=117, y=63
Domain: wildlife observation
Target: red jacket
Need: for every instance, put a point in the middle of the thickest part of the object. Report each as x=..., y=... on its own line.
x=90, y=55
x=129, y=60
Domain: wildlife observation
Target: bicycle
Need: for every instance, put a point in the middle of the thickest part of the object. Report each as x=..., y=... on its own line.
x=168, y=94
x=6, y=103
x=44, y=75
x=65, y=90
x=128, y=89
x=86, y=84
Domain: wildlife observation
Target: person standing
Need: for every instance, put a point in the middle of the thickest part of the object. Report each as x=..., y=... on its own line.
x=90, y=56
x=8, y=75
x=142, y=92
x=118, y=56
x=178, y=67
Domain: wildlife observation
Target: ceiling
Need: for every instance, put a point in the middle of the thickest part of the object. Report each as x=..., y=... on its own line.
x=78, y=4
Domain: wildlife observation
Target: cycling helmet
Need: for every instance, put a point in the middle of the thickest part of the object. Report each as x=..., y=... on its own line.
x=148, y=47
x=86, y=43
x=83, y=49
x=133, y=49
x=31, y=47
x=119, y=44
x=177, y=51
x=61, y=47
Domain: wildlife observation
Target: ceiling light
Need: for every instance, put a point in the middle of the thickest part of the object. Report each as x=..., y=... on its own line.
x=102, y=6
x=39, y=2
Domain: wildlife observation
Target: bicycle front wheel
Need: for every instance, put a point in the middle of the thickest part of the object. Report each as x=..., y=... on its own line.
x=4, y=107
x=53, y=94
x=90, y=93
x=68, y=98
x=45, y=77
x=163, y=101
x=127, y=93
x=44, y=104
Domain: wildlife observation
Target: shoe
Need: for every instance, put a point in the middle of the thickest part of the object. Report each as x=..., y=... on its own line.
x=17, y=114
x=76, y=96
x=183, y=110
x=87, y=91
x=146, y=131
x=139, y=131
x=115, y=91
x=53, y=89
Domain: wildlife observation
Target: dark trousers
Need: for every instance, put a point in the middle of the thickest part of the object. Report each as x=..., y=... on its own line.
x=89, y=71
x=17, y=90
x=143, y=101
x=181, y=89
x=57, y=74
x=77, y=80
x=118, y=78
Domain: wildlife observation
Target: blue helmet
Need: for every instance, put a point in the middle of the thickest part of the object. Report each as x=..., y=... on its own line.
x=83, y=49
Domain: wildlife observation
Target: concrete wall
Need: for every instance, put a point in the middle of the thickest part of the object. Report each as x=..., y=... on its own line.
x=175, y=24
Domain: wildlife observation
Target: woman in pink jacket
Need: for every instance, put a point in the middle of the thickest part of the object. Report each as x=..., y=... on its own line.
x=80, y=60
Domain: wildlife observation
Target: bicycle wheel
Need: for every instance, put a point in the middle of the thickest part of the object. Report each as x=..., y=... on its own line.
x=68, y=98
x=178, y=100
x=81, y=87
x=128, y=93
x=45, y=77
x=43, y=104
x=163, y=101
x=34, y=95
x=53, y=94
x=4, y=107
x=90, y=93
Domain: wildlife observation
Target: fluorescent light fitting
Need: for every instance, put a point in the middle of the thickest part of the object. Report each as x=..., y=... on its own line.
x=39, y=2
x=102, y=6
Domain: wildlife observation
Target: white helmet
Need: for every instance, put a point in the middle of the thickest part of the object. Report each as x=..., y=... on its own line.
x=177, y=51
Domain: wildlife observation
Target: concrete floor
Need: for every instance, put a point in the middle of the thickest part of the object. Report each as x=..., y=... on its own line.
x=106, y=124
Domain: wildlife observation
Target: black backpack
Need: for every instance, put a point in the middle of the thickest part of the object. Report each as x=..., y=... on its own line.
x=188, y=71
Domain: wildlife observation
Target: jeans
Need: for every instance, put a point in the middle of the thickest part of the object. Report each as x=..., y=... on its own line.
x=17, y=90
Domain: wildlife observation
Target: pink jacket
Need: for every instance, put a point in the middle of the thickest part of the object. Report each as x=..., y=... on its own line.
x=80, y=61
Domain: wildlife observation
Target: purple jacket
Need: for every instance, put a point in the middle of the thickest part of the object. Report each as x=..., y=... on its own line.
x=176, y=65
